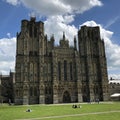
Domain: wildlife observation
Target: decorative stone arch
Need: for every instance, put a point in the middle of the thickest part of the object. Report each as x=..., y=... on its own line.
x=66, y=97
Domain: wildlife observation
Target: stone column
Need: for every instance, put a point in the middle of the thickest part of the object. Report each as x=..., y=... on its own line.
x=91, y=92
x=80, y=99
x=42, y=94
x=55, y=95
x=25, y=94
x=41, y=84
x=55, y=79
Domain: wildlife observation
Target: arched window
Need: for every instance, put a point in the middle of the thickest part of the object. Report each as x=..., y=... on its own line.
x=71, y=71
x=65, y=70
x=35, y=71
x=17, y=92
x=31, y=91
x=35, y=91
x=31, y=72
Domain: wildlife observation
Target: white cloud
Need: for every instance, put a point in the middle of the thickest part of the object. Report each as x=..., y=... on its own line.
x=112, y=50
x=114, y=76
x=9, y=35
x=59, y=27
x=68, y=19
x=13, y=2
x=7, y=54
x=80, y=6
x=47, y=7
x=57, y=7
x=60, y=7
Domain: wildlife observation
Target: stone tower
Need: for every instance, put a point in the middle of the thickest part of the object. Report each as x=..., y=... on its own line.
x=93, y=64
x=46, y=73
x=29, y=60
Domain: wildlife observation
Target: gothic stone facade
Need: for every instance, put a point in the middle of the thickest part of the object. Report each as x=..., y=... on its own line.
x=7, y=87
x=46, y=73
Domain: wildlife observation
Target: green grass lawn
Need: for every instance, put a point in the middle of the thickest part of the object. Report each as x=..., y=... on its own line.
x=62, y=112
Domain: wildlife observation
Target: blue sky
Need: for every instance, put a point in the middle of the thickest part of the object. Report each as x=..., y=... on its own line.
x=61, y=15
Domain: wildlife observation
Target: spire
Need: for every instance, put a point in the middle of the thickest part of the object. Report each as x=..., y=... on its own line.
x=32, y=19
x=52, y=40
x=63, y=35
x=75, y=46
x=32, y=16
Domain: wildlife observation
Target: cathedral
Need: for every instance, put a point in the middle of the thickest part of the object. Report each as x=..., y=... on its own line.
x=49, y=74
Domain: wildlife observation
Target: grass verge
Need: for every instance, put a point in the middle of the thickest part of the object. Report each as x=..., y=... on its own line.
x=102, y=111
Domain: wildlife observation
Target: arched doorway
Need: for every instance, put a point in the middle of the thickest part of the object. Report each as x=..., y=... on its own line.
x=66, y=97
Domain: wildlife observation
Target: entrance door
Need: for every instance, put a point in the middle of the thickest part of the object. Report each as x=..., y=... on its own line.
x=66, y=97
